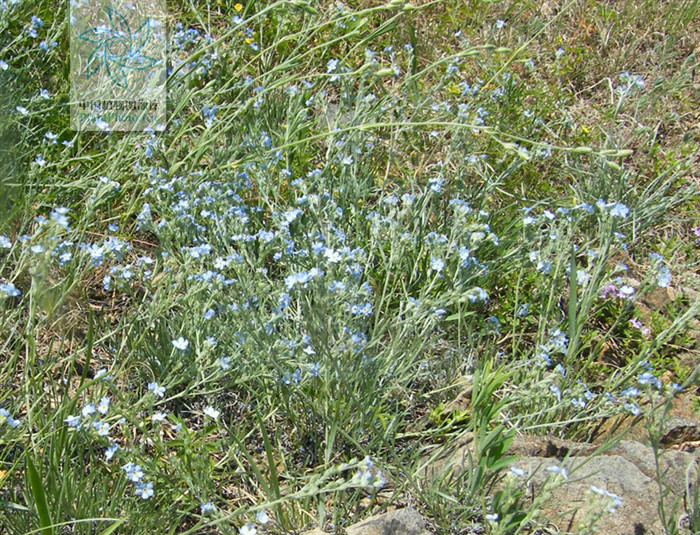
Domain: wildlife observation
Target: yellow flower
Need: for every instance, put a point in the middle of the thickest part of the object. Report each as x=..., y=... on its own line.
x=238, y=7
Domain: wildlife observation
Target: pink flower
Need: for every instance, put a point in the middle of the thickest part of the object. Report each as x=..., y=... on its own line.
x=607, y=290
x=638, y=325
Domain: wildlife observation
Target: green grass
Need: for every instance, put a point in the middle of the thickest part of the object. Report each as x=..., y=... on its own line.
x=341, y=249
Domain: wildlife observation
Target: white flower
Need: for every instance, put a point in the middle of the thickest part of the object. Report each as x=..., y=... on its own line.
x=180, y=343
x=517, y=471
x=559, y=470
x=248, y=529
x=262, y=517
x=211, y=412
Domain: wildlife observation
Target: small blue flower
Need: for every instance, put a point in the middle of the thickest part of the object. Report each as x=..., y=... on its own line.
x=101, y=427
x=144, y=490
x=5, y=417
x=437, y=264
x=103, y=405
x=207, y=508
x=73, y=421
x=619, y=210
x=110, y=451
x=9, y=289
x=156, y=389
x=663, y=278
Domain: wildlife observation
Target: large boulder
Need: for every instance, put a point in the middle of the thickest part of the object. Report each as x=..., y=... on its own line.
x=595, y=480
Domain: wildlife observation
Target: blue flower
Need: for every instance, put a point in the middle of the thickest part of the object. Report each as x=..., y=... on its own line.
x=207, y=508
x=648, y=378
x=73, y=421
x=523, y=310
x=556, y=390
x=619, y=210
x=133, y=472
x=156, y=389
x=663, y=278
x=5, y=416
x=144, y=490
x=10, y=289
x=437, y=264
x=110, y=451
x=101, y=427
x=103, y=405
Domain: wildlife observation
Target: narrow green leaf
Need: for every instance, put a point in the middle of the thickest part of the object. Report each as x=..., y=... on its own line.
x=40, y=502
x=110, y=529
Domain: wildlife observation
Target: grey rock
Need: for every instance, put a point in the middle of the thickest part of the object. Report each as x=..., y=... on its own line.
x=571, y=504
x=627, y=470
x=406, y=521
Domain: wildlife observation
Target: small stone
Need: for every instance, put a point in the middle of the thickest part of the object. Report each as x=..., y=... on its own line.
x=406, y=521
